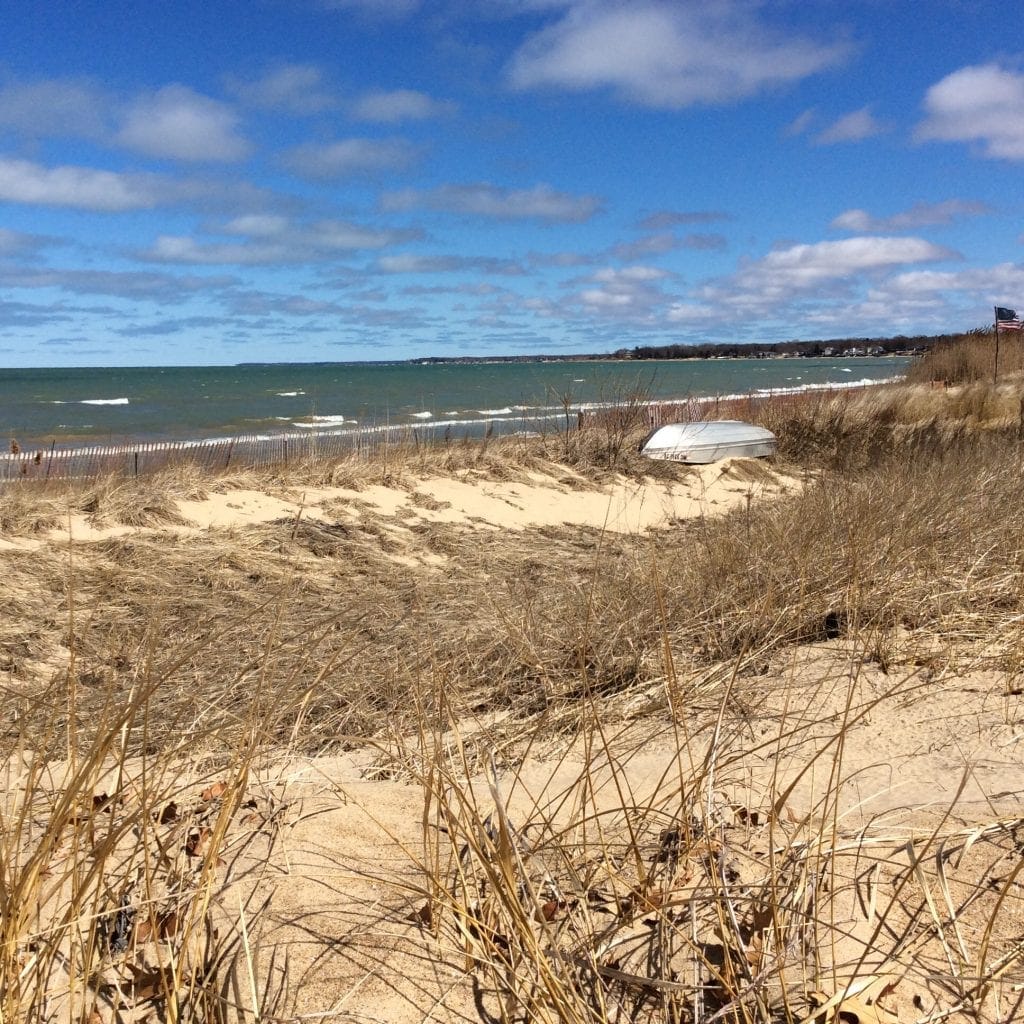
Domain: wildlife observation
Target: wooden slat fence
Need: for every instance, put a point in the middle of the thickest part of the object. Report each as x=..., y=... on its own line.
x=128, y=458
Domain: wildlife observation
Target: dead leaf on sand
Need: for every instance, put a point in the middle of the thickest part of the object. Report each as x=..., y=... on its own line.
x=856, y=1004
x=167, y=813
x=424, y=916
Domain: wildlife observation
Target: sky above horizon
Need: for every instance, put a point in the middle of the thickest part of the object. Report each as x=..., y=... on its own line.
x=307, y=180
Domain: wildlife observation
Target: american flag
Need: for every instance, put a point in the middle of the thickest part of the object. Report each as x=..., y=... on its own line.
x=1007, y=319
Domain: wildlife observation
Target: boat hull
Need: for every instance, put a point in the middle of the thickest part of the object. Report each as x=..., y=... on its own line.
x=709, y=441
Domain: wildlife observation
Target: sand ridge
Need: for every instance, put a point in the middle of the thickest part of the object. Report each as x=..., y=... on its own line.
x=622, y=505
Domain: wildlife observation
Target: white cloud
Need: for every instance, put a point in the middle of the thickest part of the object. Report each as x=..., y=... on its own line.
x=22, y=181
x=399, y=105
x=991, y=284
x=271, y=239
x=799, y=283
x=183, y=249
x=616, y=277
x=983, y=104
x=629, y=292
x=541, y=202
x=692, y=313
x=260, y=224
x=920, y=215
x=179, y=124
x=665, y=54
x=89, y=188
x=291, y=88
x=349, y=156
x=806, y=266
x=852, y=127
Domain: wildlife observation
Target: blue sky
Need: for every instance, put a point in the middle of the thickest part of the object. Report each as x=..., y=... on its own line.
x=293, y=180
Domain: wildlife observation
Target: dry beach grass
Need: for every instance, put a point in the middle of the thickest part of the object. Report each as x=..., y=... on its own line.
x=405, y=741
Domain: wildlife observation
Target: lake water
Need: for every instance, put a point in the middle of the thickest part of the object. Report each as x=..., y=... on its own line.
x=96, y=405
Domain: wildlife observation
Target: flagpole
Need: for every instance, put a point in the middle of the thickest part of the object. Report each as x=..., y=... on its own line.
x=995, y=368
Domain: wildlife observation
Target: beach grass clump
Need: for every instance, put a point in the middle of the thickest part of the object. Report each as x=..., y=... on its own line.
x=111, y=865
x=971, y=357
x=855, y=430
x=611, y=885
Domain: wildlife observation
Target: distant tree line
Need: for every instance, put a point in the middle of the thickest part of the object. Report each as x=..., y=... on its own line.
x=899, y=345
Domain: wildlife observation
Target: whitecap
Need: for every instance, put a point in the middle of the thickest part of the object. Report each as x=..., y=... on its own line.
x=422, y=415
x=312, y=422
x=104, y=401
x=495, y=412
x=289, y=394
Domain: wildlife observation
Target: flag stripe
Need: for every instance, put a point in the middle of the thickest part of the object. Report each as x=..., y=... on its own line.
x=1007, y=319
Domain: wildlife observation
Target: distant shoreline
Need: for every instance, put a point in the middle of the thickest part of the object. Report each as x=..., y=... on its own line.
x=834, y=348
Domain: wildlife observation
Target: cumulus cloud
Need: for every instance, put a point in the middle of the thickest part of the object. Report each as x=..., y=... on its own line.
x=349, y=157
x=177, y=123
x=291, y=88
x=799, y=267
x=692, y=313
x=90, y=188
x=663, y=54
x=399, y=105
x=982, y=104
x=991, y=285
x=272, y=240
x=632, y=293
x=174, y=122
x=22, y=181
x=852, y=127
x=541, y=202
x=920, y=215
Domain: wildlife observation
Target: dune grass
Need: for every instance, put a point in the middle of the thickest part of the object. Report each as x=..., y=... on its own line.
x=970, y=358
x=151, y=679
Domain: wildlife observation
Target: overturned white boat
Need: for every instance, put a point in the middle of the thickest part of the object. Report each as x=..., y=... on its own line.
x=709, y=441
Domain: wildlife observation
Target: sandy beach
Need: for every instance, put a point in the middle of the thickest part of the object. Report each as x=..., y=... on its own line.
x=431, y=745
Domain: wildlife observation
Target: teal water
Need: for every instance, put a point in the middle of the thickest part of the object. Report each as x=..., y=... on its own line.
x=93, y=404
